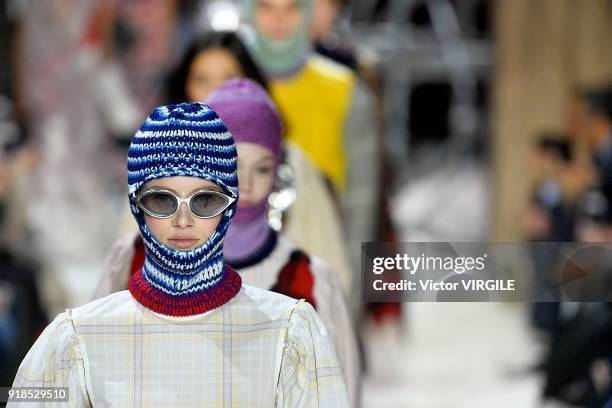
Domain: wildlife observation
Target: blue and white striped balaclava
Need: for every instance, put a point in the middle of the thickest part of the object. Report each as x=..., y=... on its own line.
x=187, y=139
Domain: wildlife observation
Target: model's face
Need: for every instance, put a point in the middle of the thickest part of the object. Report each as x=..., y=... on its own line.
x=278, y=19
x=183, y=230
x=209, y=70
x=256, y=173
x=324, y=15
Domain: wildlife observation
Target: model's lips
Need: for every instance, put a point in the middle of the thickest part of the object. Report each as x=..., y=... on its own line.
x=183, y=243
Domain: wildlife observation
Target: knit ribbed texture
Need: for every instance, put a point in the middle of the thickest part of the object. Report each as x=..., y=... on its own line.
x=187, y=305
x=183, y=140
x=249, y=113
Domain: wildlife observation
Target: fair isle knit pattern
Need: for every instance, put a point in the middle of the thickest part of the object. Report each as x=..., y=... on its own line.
x=183, y=140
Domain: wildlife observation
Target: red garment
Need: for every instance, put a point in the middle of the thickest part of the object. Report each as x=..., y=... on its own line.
x=386, y=311
x=294, y=280
x=185, y=305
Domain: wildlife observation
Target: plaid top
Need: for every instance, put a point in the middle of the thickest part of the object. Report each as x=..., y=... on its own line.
x=260, y=349
x=330, y=302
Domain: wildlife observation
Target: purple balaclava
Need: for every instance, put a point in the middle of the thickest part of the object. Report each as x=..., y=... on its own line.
x=249, y=113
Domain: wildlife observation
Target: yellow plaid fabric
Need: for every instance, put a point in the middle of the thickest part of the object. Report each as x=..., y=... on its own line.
x=261, y=349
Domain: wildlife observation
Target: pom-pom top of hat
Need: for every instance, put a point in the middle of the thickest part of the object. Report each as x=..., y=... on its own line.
x=187, y=139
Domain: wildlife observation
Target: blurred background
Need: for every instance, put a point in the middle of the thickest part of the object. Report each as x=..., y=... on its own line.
x=493, y=123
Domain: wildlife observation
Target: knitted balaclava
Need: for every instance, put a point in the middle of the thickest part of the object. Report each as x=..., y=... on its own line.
x=279, y=57
x=251, y=116
x=188, y=139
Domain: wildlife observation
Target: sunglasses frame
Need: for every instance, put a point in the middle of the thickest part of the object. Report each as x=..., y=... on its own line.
x=180, y=200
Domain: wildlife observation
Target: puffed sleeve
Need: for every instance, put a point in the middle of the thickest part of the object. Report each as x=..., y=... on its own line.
x=310, y=375
x=54, y=360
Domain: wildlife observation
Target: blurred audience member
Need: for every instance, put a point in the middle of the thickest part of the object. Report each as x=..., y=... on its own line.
x=551, y=215
x=73, y=100
x=549, y=218
x=21, y=316
x=149, y=38
x=596, y=203
x=582, y=332
x=571, y=370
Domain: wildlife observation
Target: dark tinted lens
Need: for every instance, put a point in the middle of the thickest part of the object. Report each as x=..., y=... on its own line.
x=207, y=204
x=159, y=203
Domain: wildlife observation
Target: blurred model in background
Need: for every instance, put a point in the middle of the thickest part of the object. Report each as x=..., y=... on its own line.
x=330, y=39
x=22, y=317
x=211, y=59
x=73, y=97
x=149, y=38
x=328, y=112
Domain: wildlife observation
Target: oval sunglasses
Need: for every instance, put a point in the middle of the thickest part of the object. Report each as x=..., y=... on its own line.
x=161, y=203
